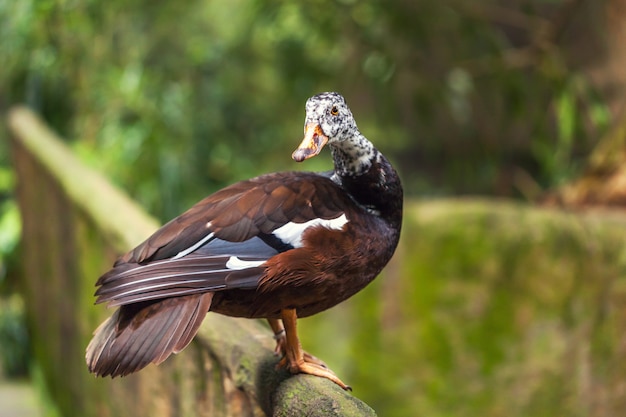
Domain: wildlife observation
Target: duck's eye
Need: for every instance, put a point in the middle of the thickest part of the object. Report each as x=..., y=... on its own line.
x=334, y=111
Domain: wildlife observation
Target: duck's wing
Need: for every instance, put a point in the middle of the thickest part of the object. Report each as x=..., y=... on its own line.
x=224, y=241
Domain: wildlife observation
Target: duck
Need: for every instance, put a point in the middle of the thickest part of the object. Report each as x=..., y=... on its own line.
x=280, y=246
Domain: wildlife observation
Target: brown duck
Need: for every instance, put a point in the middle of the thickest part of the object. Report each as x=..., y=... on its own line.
x=279, y=246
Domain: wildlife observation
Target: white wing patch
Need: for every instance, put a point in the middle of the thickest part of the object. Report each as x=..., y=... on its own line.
x=194, y=247
x=235, y=263
x=291, y=233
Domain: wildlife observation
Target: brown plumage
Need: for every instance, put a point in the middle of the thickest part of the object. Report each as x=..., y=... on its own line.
x=279, y=246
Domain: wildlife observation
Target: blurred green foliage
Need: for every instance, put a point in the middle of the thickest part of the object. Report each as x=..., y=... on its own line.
x=176, y=99
x=14, y=346
x=14, y=343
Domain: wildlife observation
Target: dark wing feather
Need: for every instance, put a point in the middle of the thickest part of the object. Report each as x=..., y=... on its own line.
x=243, y=210
x=191, y=274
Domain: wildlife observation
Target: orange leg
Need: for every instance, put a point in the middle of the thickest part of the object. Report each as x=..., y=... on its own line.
x=295, y=359
x=281, y=341
x=279, y=335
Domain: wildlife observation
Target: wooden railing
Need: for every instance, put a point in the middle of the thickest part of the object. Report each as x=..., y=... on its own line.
x=75, y=223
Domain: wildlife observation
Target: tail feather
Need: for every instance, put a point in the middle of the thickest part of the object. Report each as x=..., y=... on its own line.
x=143, y=333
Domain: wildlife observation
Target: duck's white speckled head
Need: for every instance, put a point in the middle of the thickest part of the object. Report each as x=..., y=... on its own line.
x=329, y=121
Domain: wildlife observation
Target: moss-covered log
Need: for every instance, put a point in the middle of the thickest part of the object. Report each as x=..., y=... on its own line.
x=74, y=225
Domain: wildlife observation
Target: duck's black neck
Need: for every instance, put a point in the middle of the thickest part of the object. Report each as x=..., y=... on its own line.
x=377, y=187
x=354, y=156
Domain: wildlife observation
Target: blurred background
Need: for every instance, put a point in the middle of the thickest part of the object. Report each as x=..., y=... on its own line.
x=174, y=100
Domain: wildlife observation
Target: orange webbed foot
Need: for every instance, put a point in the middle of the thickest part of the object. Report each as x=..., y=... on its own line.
x=315, y=367
x=294, y=358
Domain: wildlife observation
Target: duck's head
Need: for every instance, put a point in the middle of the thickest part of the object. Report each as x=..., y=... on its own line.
x=328, y=121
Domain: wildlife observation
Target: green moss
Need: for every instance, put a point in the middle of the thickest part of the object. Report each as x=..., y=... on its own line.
x=299, y=395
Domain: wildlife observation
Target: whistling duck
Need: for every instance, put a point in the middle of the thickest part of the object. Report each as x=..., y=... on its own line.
x=279, y=246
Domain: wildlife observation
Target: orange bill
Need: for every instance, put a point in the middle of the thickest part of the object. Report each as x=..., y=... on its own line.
x=313, y=142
